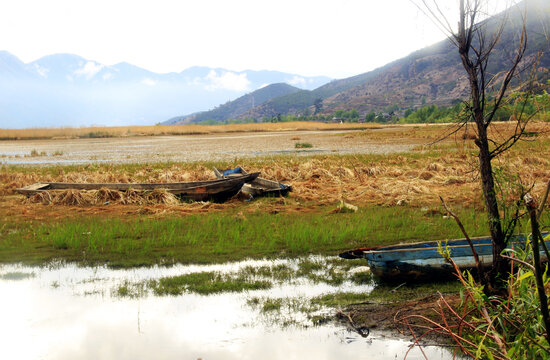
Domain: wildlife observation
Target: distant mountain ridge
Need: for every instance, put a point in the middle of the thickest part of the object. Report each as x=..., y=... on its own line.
x=68, y=90
x=234, y=109
x=433, y=75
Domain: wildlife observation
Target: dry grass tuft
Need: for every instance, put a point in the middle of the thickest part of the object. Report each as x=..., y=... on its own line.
x=161, y=196
x=104, y=195
x=133, y=197
x=44, y=198
x=72, y=197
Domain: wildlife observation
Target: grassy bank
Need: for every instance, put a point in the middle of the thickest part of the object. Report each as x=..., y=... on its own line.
x=397, y=196
x=222, y=236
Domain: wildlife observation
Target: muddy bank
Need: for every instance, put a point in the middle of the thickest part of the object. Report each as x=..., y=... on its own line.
x=398, y=318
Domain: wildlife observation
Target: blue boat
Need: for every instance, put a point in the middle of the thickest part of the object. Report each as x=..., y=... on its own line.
x=423, y=260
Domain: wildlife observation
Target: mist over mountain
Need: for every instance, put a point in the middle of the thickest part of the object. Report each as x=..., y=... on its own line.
x=68, y=90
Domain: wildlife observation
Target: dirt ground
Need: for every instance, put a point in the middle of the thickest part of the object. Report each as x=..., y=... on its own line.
x=191, y=148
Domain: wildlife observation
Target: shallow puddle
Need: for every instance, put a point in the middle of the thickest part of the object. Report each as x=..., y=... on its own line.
x=69, y=312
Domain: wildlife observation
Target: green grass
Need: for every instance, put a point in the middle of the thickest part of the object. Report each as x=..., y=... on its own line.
x=217, y=237
x=17, y=275
x=303, y=145
x=205, y=283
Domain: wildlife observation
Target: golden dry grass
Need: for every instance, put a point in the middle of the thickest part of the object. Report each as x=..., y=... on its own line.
x=415, y=179
x=121, y=131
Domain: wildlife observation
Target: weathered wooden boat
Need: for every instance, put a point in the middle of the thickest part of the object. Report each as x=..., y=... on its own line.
x=257, y=187
x=423, y=260
x=215, y=190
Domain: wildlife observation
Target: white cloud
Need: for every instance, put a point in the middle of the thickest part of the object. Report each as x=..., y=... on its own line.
x=42, y=71
x=107, y=76
x=148, y=82
x=227, y=80
x=297, y=81
x=89, y=70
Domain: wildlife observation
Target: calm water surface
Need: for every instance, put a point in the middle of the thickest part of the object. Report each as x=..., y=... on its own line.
x=70, y=312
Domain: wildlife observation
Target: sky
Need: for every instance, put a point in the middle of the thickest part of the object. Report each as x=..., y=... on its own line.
x=335, y=38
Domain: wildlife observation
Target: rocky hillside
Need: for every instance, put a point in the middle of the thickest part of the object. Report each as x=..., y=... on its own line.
x=433, y=75
x=234, y=109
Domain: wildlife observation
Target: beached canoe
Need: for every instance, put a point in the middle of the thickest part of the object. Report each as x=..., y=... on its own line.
x=257, y=187
x=422, y=261
x=215, y=190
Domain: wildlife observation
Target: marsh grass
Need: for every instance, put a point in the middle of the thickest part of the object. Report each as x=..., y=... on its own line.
x=247, y=278
x=130, y=290
x=205, y=283
x=272, y=305
x=219, y=238
x=17, y=275
x=277, y=273
x=299, y=145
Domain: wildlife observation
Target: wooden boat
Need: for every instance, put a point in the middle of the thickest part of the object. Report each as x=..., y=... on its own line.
x=257, y=187
x=215, y=190
x=422, y=261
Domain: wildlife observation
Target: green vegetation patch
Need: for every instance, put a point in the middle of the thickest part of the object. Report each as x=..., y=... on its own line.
x=217, y=237
x=16, y=275
x=205, y=283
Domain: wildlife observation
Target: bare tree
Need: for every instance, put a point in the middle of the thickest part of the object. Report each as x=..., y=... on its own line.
x=476, y=40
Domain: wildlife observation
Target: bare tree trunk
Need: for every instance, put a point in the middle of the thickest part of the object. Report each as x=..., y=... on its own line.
x=476, y=40
x=474, y=69
x=500, y=267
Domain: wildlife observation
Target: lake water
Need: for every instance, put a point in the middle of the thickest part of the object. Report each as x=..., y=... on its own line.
x=67, y=312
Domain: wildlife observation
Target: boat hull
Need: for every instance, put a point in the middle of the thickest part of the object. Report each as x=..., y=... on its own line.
x=214, y=190
x=423, y=261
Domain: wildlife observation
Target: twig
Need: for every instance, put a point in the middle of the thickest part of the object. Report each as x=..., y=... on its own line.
x=543, y=202
x=361, y=330
x=416, y=341
x=535, y=236
x=519, y=261
x=397, y=287
x=459, y=223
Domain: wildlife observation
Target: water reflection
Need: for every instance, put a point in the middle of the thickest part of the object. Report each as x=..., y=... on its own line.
x=67, y=312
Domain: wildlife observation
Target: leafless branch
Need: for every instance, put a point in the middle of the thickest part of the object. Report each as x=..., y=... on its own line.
x=459, y=223
x=543, y=202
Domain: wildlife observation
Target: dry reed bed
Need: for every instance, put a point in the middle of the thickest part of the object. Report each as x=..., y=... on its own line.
x=122, y=131
x=415, y=179
x=389, y=181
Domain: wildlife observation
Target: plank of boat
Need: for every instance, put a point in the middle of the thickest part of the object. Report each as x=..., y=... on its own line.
x=423, y=261
x=257, y=187
x=198, y=190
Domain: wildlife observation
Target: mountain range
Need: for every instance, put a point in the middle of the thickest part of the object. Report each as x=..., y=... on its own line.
x=433, y=75
x=68, y=90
